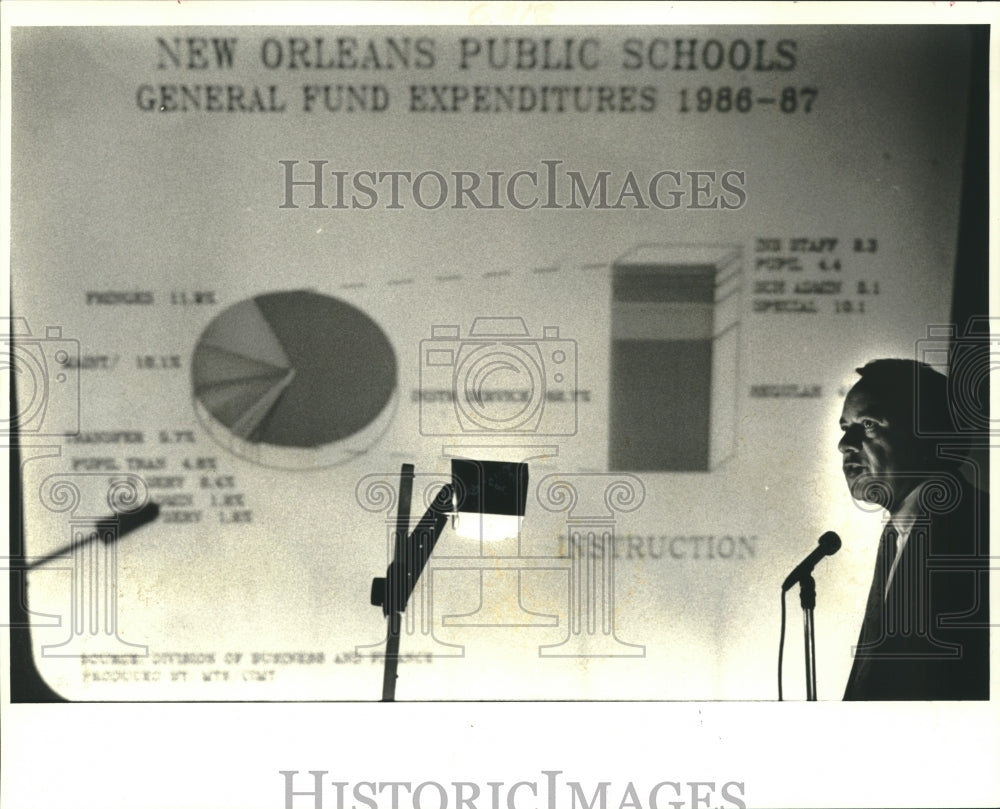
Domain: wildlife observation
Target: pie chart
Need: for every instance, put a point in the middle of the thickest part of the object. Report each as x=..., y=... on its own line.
x=295, y=380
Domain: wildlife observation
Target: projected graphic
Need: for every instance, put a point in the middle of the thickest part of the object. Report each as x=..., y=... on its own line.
x=295, y=380
x=674, y=357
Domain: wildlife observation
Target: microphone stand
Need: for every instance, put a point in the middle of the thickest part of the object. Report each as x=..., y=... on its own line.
x=807, y=597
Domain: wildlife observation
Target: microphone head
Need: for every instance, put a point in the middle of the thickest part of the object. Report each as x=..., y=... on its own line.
x=830, y=543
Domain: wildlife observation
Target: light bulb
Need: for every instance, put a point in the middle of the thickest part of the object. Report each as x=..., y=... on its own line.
x=487, y=527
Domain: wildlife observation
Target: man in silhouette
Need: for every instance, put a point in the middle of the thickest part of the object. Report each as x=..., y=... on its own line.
x=925, y=633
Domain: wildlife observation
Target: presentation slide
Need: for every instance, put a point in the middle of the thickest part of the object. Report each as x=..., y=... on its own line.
x=255, y=271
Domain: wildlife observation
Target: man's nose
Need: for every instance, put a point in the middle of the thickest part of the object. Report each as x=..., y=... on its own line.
x=849, y=441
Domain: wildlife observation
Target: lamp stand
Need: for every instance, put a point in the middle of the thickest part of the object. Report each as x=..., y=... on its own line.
x=412, y=550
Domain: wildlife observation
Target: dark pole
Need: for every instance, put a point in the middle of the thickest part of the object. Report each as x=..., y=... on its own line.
x=410, y=556
x=807, y=596
x=394, y=619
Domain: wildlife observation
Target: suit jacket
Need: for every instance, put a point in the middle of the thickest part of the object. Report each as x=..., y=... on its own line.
x=928, y=638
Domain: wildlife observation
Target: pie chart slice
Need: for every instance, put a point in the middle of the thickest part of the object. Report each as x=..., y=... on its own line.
x=245, y=425
x=295, y=380
x=244, y=331
x=213, y=366
x=227, y=401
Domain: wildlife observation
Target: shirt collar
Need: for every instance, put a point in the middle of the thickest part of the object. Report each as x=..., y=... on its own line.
x=908, y=511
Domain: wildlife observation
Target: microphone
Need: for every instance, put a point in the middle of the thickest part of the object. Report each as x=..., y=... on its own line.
x=829, y=544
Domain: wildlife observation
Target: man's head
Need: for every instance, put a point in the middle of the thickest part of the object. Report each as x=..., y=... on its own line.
x=890, y=420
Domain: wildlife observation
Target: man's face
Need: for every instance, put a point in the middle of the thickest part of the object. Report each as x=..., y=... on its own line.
x=880, y=454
